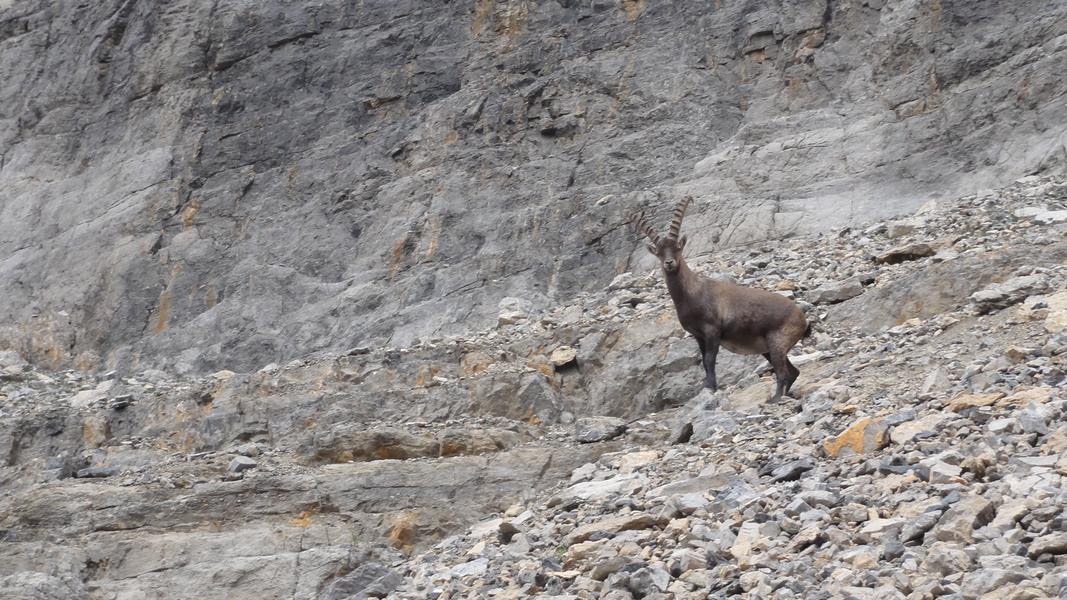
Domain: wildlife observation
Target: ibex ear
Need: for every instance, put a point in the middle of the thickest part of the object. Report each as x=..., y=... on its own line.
x=681, y=242
x=652, y=249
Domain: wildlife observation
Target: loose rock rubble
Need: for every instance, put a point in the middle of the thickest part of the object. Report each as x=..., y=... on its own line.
x=922, y=459
x=923, y=455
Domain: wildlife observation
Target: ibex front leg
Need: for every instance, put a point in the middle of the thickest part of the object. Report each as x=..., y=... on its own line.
x=709, y=349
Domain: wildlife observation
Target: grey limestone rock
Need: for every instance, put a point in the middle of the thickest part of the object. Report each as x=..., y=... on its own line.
x=240, y=464
x=365, y=581
x=40, y=586
x=598, y=429
x=215, y=203
x=837, y=292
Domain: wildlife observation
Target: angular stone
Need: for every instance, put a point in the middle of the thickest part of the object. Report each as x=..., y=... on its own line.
x=754, y=582
x=790, y=471
x=958, y=523
x=516, y=309
x=874, y=530
x=699, y=578
x=686, y=559
x=598, y=429
x=510, y=317
x=1052, y=543
x=1022, y=397
x=1012, y=291
x=607, y=566
x=1008, y=515
x=649, y=580
x=630, y=462
x=819, y=498
x=920, y=428
x=965, y=401
x=241, y=463
x=474, y=568
x=892, y=549
x=914, y=529
x=120, y=402
x=583, y=551
x=1005, y=425
x=833, y=293
x=804, y=538
x=753, y=537
x=853, y=512
x=703, y=483
x=1045, y=461
x=86, y=398
x=584, y=473
x=610, y=526
x=365, y=581
x=945, y=559
x=906, y=253
x=860, y=557
x=897, y=229
x=1056, y=320
x=1032, y=421
x=940, y=472
x=95, y=472
x=1051, y=217
x=796, y=506
x=864, y=436
x=687, y=504
x=986, y=580
x=936, y=381
x=595, y=491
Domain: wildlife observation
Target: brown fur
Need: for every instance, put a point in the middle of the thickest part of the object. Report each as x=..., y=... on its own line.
x=741, y=319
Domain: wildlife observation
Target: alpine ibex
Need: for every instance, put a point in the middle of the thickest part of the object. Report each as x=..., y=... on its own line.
x=743, y=320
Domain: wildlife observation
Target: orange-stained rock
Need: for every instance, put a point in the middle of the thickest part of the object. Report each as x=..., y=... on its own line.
x=95, y=431
x=473, y=363
x=965, y=401
x=1038, y=395
x=403, y=530
x=610, y=526
x=865, y=435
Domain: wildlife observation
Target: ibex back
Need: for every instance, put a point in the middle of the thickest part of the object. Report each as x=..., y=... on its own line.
x=743, y=320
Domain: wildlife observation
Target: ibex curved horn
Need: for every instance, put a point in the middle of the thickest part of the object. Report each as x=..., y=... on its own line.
x=640, y=223
x=679, y=214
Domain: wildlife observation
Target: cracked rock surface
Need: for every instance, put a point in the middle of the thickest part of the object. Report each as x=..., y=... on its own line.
x=221, y=185
x=923, y=454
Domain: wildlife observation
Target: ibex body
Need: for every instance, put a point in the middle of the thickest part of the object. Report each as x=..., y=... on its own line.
x=717, y=313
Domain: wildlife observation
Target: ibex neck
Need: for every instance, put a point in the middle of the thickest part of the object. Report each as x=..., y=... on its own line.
x=679, y=282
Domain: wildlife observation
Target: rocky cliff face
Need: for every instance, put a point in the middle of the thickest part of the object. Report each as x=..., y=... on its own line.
x=228, y=184
x=567, y=452
x=335, y=300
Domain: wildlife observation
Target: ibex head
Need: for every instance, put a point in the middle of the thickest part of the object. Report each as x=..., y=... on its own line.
x=669, y=249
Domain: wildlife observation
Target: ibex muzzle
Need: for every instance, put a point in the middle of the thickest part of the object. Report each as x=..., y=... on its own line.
x=741, y=319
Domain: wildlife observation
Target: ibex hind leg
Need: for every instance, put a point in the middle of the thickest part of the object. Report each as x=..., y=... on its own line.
x=785, y=374
x=794, y=372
